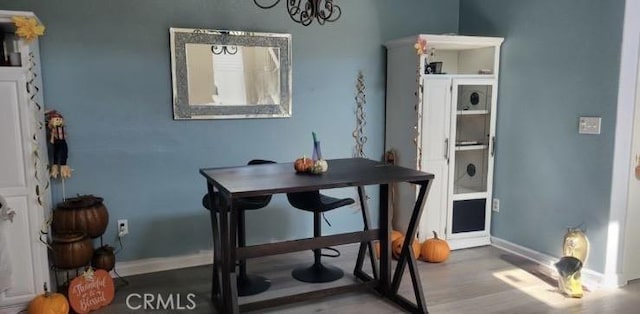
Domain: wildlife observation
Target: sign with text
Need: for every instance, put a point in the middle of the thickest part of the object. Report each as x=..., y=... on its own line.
x=91, y=291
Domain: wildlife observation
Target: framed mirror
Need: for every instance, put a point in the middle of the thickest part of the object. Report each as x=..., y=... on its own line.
x=220, y=74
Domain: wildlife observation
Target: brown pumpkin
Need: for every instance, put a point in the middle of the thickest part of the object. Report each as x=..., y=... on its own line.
x=104, y=258
x=71, y=250
x=303, y=164
x=434, y=250
x=84, y=213
x=397, y=247
x=48, y=303
x=394, y=236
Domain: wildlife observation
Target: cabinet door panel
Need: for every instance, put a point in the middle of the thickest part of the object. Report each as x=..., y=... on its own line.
x=19, y=235
x=11, y=155
x=436, y=118
x=435, y=139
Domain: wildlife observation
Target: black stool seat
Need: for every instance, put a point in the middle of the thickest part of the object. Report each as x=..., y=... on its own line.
x=314, y=201
x=317, y=203
x=247, y=284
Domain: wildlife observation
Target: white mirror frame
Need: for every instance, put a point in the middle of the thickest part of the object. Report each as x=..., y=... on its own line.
x=183, y=110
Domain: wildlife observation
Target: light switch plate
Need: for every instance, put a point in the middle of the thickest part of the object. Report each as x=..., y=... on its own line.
x=589, y=125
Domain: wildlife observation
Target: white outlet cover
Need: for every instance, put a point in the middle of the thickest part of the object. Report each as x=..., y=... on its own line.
x=589, y=125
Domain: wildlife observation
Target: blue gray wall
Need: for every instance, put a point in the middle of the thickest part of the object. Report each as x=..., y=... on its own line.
x=106, y=67
x=560, y=60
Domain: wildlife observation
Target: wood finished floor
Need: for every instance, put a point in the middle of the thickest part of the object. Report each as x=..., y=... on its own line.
x=478, y=280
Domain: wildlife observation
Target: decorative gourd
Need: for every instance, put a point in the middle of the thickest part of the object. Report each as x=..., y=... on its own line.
x=85, y=213
x=397, y=247
x=394, y=236
x=104, y=258
x=48, y=303
x=320, y=166
x=576, y=244
x=434, y=250
x=303, y=164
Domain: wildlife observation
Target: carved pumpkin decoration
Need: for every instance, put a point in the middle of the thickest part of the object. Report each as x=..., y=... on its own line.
x=71, y=250
x=91, y=291
x=397, y=247
x=434, y=250
x=104, y=258
x=48, y=303
x=576, y=244
x=84, y=213
x=394, y=236
x=303, y=164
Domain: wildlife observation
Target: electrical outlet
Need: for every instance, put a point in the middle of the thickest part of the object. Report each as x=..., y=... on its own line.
x=123, y=228
x=496, y=205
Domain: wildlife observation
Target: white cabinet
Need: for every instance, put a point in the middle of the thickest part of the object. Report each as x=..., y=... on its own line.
x=23, y=174
x=444, y=124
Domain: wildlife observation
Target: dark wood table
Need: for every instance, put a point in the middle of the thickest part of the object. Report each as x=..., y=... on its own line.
x=267, y=179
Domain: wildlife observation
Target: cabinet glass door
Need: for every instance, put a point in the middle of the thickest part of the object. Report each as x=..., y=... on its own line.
x=471, y=155
x=472, y=138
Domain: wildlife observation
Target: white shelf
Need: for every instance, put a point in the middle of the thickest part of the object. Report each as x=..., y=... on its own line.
x=460, y=76
x=472, y=112
x=471, y=147
x=469, y=194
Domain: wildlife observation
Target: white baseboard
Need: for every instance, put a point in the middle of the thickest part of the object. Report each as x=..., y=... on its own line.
x=457, y=244
x=591, y=279
x=156, y=264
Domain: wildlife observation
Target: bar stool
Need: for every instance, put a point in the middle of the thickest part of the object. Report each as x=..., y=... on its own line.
x=317, y=203
x=247, y=284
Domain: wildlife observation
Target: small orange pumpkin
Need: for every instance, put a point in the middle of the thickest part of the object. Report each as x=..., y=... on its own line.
x=397, y=247
x=394, y=236
x=48, y=303
x=434, y=250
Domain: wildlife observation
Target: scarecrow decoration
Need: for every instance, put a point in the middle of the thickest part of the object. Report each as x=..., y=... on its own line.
x=57, y=138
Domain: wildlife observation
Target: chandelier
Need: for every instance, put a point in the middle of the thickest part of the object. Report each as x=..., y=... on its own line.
x=305, y=11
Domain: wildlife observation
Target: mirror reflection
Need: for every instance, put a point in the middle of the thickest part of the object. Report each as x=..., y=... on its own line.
x=233, y=75
x=230, y=74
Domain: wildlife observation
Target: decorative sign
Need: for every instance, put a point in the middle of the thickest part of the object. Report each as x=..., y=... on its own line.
x=91, y=291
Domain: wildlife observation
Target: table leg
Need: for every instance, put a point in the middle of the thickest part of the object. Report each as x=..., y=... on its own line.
x=385, y=241
x=215, y=233
x=229, y=296
x=364, y=208
x=407, y=257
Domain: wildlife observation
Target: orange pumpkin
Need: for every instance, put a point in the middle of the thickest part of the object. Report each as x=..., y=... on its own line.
x=48, y=303
x=397, y=247
x=394, y=236
x=434, y=250
x=303, y=164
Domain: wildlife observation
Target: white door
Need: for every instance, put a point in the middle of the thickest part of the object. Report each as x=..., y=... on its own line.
x=435, y=143
x=632, y=232
x=471, y=162
x=16, y=182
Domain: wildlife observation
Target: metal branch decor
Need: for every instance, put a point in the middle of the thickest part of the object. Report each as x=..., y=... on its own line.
x=305, y=11
x=361, y=121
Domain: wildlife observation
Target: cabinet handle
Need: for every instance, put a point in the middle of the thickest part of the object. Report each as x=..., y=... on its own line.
x=446, y=149
x=493, y=145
